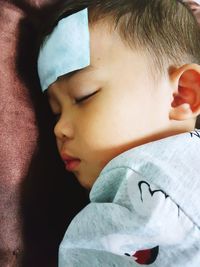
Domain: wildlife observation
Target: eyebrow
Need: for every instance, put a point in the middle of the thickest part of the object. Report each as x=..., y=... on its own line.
x=73, y=73
x=70, y=74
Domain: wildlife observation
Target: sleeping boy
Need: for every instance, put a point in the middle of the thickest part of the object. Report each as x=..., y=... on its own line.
x=123, y=79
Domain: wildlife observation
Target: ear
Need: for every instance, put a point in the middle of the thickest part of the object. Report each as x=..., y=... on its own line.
x=186, y=92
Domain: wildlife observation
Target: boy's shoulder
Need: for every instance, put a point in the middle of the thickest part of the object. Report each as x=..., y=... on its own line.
x=171, y=164
x=173, y=152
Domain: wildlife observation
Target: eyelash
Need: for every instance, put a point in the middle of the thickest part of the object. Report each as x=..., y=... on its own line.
x=82, y=99
x=77, y=101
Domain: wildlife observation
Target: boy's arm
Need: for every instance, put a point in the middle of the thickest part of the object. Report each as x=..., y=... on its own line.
x=141, y=222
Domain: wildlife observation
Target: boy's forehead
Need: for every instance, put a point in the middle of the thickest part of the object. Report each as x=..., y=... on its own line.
x=65, y=50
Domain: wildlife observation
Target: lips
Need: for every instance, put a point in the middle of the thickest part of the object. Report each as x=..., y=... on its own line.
x=71, y=163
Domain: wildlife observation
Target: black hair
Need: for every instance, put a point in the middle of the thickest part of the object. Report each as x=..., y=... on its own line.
x=167, y=29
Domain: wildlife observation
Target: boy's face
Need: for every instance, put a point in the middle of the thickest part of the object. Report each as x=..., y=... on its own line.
x=126, y=108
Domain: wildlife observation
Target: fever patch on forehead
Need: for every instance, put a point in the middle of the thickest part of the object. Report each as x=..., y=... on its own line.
x=65, y=50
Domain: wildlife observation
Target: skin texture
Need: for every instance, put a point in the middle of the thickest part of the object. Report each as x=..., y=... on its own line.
x=127, y=108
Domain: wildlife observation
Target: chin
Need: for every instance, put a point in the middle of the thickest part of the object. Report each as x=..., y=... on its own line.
x=85, y=182
x=86, y=185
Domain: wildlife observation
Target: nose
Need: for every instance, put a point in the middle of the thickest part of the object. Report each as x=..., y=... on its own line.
x=63, y=129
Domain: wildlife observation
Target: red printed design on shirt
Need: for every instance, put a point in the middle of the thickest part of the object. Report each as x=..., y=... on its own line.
x=147, y=256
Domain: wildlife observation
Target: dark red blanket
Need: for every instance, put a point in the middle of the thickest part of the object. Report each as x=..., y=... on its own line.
x=37, y=197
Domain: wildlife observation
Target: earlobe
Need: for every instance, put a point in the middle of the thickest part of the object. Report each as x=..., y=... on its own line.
x=186, y=95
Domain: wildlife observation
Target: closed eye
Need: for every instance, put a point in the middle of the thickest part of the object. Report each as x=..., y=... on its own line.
x=84, y=98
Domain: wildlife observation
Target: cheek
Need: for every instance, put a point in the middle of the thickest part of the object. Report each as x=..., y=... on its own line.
x=107, y=128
